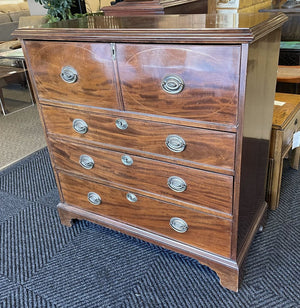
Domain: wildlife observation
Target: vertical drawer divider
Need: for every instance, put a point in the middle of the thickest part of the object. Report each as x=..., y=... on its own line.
x=117, y=77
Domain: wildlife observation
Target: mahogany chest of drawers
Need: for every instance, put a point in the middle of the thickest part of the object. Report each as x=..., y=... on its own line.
x=159, y=126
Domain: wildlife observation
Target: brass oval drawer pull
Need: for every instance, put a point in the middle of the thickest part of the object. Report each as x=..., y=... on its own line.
x=131, y=197
x=178, y=224
x=80, y=126
x=69, y=74
x=177, y=184
x=94, y=198
x=121, y=124
x=175, y=143
x=127, y=160
x=172, y=84
x=86, y=162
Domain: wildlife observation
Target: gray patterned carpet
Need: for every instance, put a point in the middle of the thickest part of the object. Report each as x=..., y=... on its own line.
x=21, y=134
x=44, y=264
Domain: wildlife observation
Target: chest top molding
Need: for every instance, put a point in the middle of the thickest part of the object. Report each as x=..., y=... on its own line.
x=179, y=29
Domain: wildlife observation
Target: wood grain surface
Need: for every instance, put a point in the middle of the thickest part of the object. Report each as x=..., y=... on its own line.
x=93, y=62
x=147, y=176
x=288, y=106
x=168, y=29
x=210, y=75
x=223, y=113
x=204, y=231
x=207, y=149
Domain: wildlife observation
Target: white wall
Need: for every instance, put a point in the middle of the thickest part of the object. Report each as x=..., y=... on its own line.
x=35, y=8
x=95, y=5
x=92, y=5
x=10, y=1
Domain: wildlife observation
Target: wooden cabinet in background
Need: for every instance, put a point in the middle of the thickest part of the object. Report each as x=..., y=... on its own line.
x=286, y=122
x=155, y=7
x=159, y=126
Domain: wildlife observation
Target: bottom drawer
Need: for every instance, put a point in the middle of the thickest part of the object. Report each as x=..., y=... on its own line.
x=198, y=229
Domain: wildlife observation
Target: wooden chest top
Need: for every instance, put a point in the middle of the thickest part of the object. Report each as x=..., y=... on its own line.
x=181, y=29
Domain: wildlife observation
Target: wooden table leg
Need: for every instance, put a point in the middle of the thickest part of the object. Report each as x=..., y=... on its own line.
x=277, y=170
x=295, y=156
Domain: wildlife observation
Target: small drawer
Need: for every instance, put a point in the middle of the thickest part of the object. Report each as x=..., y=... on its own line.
x=181, y=184
x=292, y=127
x=192, y=82
x=194, y=228
x=201, y=148
x=81, y=73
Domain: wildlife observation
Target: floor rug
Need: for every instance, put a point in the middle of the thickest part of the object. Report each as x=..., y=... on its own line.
x=45, y=264
x=21, y=134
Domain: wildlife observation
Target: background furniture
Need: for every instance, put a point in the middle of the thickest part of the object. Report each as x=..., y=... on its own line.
x=9, y=18
x=290, y=4
x=16, y=74
x=164, y=132
x=290, y=35
x=286, y=121
x=290, y=38
x=9, y=75
x=137, y=7
x=289, y=53
x=289, y=75
x=290, y=41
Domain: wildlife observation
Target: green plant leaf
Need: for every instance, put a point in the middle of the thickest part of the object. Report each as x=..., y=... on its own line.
x=57, y=9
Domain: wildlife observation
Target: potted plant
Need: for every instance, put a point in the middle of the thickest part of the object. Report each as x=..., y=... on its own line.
x=58, y=9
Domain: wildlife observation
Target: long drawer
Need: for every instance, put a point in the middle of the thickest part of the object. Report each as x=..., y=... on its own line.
x=81, y=73
x=198, y=229
x=191, y=82
x=172, y=181
x=202, y=148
